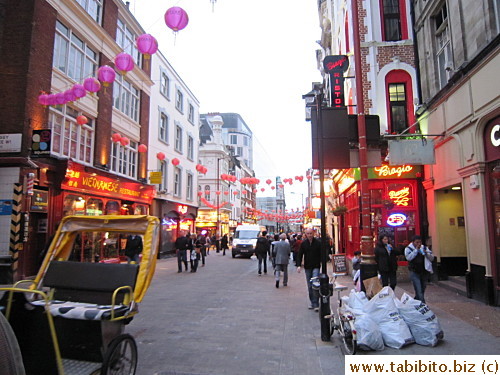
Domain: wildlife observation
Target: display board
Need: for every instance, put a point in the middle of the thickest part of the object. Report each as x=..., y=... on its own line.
x=340, y=264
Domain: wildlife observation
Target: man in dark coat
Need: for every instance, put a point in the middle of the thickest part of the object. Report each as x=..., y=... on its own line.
x=387, y=261
x=310, y=251
x=261, y=250
x=182, y=244
x=133, y=248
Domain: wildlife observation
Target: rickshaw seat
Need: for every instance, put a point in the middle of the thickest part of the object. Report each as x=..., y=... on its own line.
x=84, y=290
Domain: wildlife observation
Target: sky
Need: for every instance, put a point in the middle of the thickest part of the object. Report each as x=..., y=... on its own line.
x=252, y=57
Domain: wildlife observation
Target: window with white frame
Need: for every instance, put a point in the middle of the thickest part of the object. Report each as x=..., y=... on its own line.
x=245, y=141
x=191, y=113
x=72, y=55
x=165, y=85
x=178, y=138
x=444, y=58
x=179, y=101
x=70, y=139
x=239, y=151
x=163, y=168
x=163, y=127
x=177, y=182
x=126, y=97
x=190, y=153
x=126, y=38
x=189, y=186
x=124, y=159
x=93, y=8
x=234, y=139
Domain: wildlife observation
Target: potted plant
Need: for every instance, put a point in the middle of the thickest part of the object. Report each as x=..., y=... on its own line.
x=339, y=210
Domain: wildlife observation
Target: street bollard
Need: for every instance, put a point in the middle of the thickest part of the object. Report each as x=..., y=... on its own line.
x=324, y=307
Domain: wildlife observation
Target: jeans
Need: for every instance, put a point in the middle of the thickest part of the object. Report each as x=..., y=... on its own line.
x=313, y=294
x=203, y=254
x=135, y=259
x=284, y=268
x=262, y=259
x=389, y=278
x=419, y=281
x=181, y=258
x=194, y=264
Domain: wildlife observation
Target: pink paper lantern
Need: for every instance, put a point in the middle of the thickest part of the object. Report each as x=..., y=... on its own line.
x=124, y=141
x=124, y=62
x=147, y=45
x=43, y=99
x=176, y=18
x=79, y=91
x=160, y=156
x=175, y=161
x=91, y=85
x=69, y=96
x=106, y=75
x=60, y=98
x=142, y=148
x=116, y=137
x=51, y=99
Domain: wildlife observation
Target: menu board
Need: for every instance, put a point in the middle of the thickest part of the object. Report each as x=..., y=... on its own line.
x=340, y=264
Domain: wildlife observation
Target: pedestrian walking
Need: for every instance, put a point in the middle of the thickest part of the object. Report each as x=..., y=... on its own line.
x=419, y=259
x=194, y=252
x=181, y=246
x=386, y=258
x=262, y=250
x=224, y=243
x=310, y=251
x=282, y=258
x=204, y=242
x=296, y=247
x=273, y=253
x=133, y=248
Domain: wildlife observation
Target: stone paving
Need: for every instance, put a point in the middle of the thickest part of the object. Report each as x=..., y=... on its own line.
x=225, y=319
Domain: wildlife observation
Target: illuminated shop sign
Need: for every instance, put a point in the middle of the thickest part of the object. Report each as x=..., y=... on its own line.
x=390, y=172
x=400, y=197
x=79, y=179
x=182, y=209
x=396, y=220
x=336, y=66
x=495, y=141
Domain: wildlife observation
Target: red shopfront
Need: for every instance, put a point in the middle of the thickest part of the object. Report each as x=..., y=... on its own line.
x=394, y=205
x=89, y=191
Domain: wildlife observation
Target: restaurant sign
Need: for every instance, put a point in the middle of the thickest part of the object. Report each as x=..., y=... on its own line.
x=79, y=179
x=390, y=172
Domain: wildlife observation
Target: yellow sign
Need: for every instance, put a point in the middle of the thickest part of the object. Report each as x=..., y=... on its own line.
x=155, y=177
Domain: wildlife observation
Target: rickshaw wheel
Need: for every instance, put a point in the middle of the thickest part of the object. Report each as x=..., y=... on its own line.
x=120, y=357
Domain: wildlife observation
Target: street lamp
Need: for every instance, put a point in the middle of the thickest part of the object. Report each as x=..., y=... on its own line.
x=314, y=101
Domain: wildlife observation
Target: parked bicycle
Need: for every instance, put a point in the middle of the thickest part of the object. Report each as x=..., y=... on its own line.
x=341, y=320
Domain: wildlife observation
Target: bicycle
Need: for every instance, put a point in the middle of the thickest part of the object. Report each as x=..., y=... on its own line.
x=340, y=319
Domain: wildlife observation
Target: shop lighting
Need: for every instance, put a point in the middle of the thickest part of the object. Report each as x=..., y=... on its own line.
x=456, y=188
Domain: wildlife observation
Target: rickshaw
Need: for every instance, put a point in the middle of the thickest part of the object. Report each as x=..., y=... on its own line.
x=71, y=318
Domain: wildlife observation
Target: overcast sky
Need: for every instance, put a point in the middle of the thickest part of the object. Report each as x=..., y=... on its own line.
x=252, y=57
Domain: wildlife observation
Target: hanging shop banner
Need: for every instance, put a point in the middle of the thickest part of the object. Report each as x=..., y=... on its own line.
x=155, y=177
x=336, y=66
x=40, y=201
x=412, y=151
x=340, y=264
x=390, y=172
x=40, y=142
x=80, y=178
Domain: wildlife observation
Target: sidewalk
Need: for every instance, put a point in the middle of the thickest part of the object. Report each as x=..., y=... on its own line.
x=225, y=319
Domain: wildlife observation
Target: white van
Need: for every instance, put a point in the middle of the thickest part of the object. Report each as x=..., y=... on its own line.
x=245, y=239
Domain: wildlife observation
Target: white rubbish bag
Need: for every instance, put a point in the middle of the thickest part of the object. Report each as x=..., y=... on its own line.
x=382, y=309
x=357, y=300
x=368, y=333
x=423, y=323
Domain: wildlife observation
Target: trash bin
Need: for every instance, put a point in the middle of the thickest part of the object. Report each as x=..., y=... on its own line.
x=5, y=269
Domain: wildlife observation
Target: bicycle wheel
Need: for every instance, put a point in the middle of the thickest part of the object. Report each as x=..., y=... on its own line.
x=349, y=337
x=120, y=357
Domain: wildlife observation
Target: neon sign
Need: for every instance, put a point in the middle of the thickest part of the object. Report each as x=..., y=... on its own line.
x=182, y=209
x=386, y=171
x=396, y=220
x=400, y=197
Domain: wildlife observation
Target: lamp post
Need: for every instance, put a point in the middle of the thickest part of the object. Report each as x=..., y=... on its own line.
x=314, y=101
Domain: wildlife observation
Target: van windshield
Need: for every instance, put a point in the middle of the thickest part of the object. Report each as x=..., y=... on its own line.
x=246, y=234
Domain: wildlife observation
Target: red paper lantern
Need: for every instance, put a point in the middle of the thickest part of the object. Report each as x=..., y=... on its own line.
x=207, y=192
x=272, y=188
x=200, y=193
x=175, y=161
x=263, y=190
x=254, y=190
x=268, y=181
x=226, y=193
x=124, y=141
x=160, y=156
x=142, y=148
x=116, y=137
x=235, y=192
x=281, y=186
x=204, y=170
x=308, y=177
x=82, y=120
x=198, y=167
x=217, y=192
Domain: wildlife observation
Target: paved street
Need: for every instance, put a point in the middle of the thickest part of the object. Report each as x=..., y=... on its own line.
x=225, y=319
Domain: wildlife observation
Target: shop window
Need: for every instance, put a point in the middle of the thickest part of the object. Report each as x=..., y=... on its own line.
x=94, y=207
x=74, y=205
x=140, y=210
x=400, y=194
x=376, y=196
x=112, y=208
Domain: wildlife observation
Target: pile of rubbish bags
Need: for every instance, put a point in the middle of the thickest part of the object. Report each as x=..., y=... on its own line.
x=386, y=320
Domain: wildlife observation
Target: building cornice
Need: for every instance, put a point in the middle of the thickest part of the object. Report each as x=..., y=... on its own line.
x=479, y=167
